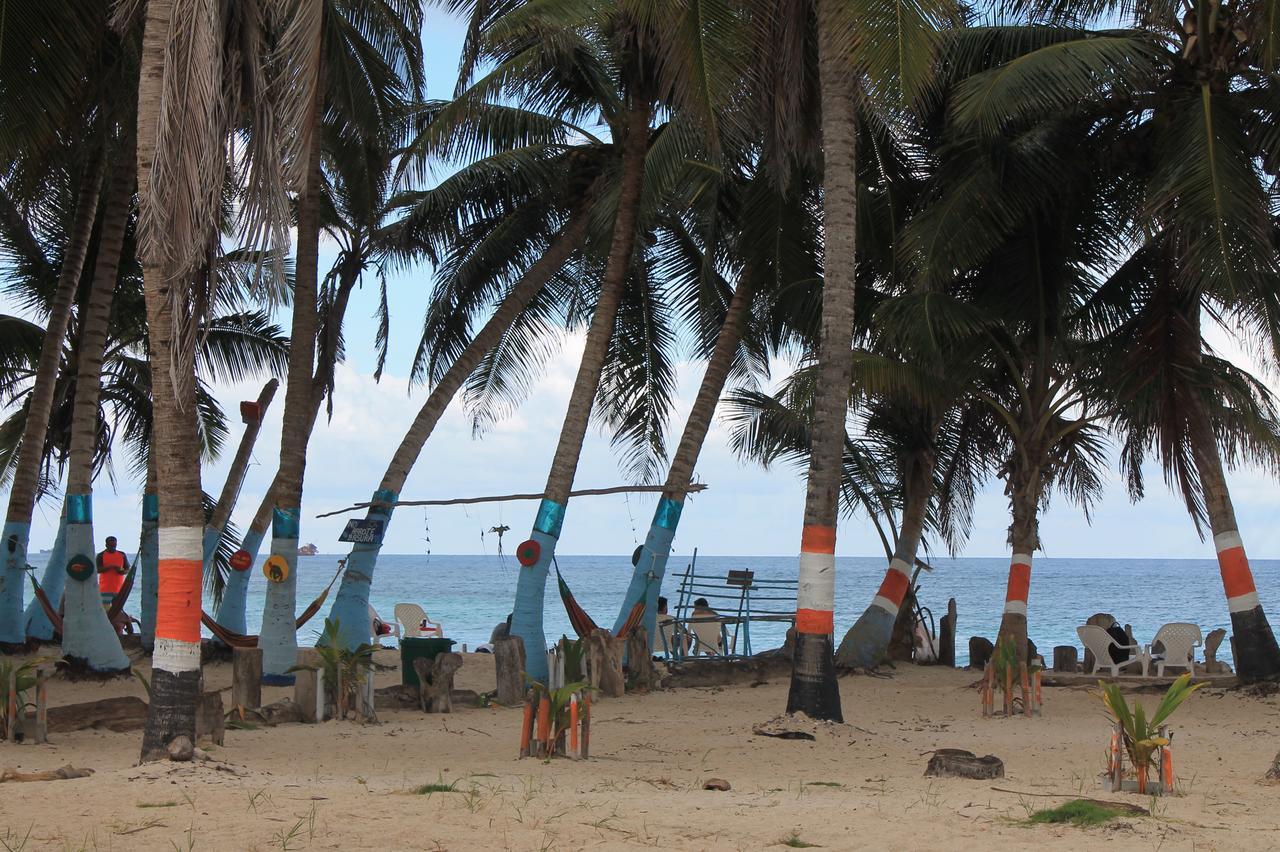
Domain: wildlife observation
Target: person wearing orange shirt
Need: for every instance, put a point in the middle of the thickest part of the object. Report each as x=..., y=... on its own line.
x=112, y=566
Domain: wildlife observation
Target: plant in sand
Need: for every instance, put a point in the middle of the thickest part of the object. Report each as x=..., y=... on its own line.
x=345, y=669
x=25, y=680
x=1142, y=735
x=561, y=698
x=1005, y=659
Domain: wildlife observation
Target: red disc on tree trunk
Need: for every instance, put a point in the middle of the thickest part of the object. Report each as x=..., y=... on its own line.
x=528, y=552
x=241, y=560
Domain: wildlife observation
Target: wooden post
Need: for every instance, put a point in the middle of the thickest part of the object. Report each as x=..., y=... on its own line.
x=985, y=689
x=526, y=725
x=586, y=724
x=1008, y=691
x=639, y=663
x=947, y=636
x=1039, y=695
x=1026, y=690
x=509, y=663
x=544, y=725
x=246, y=678
x=603, y=655
x=308, y=692
x=573, y=725
x=1065, y=658
x=11, y=709
x=42, y=707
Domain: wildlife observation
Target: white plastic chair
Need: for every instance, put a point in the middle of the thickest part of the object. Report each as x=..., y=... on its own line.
x=1100, y=643
x=374, y=620
x=707, y=637
x=412, y=617
x=1180, y=639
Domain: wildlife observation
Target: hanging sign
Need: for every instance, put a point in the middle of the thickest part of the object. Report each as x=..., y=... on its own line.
x=363, y=531
x=528, y=552
x=241, y=560
x=276, y=569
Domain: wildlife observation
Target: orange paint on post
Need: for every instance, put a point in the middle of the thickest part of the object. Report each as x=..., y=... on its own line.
x=894, y=587
x=819, y=621
x=818, y=539
x=178, y=607
x=1237, y=579
x=1019, y=582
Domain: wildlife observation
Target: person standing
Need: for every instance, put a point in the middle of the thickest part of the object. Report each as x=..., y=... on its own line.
x=112, y=566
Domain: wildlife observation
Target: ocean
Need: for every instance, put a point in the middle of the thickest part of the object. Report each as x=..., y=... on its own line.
x=470, y=594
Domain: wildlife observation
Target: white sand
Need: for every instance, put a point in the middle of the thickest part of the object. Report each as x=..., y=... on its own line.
x=341, y=785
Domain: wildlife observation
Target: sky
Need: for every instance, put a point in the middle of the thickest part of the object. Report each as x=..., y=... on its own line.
x=744, y=511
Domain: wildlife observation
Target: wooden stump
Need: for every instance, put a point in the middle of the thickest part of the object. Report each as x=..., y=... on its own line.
x=947, y=636
x=435, y=681
x=211, y=723
x=509, y=663
x=639, y=663
x=1211, y=643
x=980, y=652
x=604, y=663
x=307, y=688
x=1064, y=658
x=246, y=678
x=958, y=763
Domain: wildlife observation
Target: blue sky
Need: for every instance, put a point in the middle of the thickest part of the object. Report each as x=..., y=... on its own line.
x=745, y=511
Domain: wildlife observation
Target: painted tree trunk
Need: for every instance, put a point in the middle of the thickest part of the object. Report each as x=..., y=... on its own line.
x=1257, y=656
x=278, y=638
x=175, y=672
x=814, y=690
x=1025, y=538
x=26, y=472
x=39, y=627
x=531, y=583
x=651, y=566
x=351, y=604
x=149, y=566
x=235, y=594
x=87, y=634
x=867, y=642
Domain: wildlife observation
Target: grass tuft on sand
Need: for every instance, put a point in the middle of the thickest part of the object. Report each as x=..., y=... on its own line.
x=1077, y=812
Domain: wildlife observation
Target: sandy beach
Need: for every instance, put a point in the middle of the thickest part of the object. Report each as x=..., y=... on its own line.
x=343, y=785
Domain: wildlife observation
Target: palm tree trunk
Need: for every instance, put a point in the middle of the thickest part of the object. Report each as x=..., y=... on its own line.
x=38, y=626
x=813, y=677
x=149, y=558
x=278, y=638
x=26, y=473
x=175, y=673
x=532, y=582
x=651, y=565
x=867, y=643
x=351, y=605
x=1257, y=656
x=87, y=634
x=1024, y=536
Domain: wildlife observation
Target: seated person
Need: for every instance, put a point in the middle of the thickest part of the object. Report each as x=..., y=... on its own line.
x=708, y=636
x=1119, y=655
x=673, y=638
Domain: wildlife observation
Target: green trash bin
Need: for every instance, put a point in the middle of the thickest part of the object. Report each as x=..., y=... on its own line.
x=419, y=649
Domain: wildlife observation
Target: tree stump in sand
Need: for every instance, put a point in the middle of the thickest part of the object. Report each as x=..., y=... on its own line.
x=435, y=681
x=958, y=763
x=246, y=677
x=640, y=670
x=980, y=651
x=508, y=662
x=1211, y=643
x=1065, y=658
x=211, y=722
x=947, y=636
x=603, y=658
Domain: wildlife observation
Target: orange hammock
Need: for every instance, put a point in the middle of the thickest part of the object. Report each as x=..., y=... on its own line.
x=113, y=611
x=241, y=640
x=583, y=623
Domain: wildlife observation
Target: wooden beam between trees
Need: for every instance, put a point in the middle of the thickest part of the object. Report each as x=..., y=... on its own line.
x=503, y=498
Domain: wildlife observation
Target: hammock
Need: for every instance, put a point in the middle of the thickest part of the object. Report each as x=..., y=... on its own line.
x=118, y=602
x=582, y=623
x=113, y=611
x=241, y=640
x=55, y=618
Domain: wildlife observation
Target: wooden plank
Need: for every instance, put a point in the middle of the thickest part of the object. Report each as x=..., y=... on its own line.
x=1136, y=681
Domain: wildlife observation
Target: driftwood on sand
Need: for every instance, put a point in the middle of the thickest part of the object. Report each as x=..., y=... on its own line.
x=958, y=763
x=641, y=675
x=63, y=774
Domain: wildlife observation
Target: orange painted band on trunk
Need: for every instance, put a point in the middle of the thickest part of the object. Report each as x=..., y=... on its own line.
x=1237, y=579
x=1019, y=582
x=178, y=605
x=818, y=539
x=894, y=586
x=819, y=621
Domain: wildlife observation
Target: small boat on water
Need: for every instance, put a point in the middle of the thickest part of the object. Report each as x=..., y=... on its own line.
x=308, y=550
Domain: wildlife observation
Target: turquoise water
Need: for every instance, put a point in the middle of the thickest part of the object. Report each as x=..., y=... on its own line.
x=470, y=594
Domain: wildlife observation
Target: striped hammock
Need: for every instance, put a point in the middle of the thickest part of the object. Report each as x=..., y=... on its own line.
x=582, y=623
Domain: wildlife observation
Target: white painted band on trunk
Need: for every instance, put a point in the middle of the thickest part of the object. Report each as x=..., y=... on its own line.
x=1227, y=540
x=1016, y=607
x=176, y=656
x=181, y=543
x=885, y=604
x=1021, y=559
x=817, y=587
x=901, y=566
x=1243, y=603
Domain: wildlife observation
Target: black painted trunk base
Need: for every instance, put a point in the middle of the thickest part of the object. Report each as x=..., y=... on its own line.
x=1257, y=656
x=814, y=690
x=172, y=712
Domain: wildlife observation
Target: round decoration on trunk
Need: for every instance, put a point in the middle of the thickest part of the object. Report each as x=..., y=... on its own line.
x=528, y=552
x=276, y=569
x=80, y=567
x=635, y=557
x=241, y=560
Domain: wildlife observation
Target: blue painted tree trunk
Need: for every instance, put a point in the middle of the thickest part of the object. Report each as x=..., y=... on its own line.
x=647, y=574
x=235, y=595
x=86, y=633
x=278, y=638
x=531, y=588
x=13, y=573
x=350, y=609
x=149, y=568
x=53, y=582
